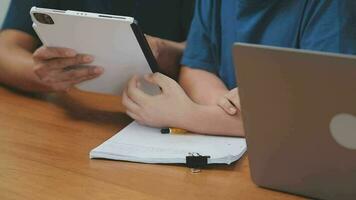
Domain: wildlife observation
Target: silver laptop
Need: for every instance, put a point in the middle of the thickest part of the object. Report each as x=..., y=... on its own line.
x=299, y=115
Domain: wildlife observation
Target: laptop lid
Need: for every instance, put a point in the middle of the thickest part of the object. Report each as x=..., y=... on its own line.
x=299, y=115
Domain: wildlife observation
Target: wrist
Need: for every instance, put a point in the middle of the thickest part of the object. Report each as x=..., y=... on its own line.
x=188, y=119
x=212, y=120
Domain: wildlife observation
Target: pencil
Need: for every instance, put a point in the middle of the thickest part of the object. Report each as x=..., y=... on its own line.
x=173, y=131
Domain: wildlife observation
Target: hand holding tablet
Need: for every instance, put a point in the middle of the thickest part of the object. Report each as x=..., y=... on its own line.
x=112, y=42
x=57, y=67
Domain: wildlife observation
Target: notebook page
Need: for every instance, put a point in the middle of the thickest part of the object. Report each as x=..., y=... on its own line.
x=144, y=144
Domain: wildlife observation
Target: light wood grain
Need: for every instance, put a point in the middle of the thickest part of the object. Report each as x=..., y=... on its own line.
x=44, y=146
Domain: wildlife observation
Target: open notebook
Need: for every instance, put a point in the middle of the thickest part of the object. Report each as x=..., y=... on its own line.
x=138, y=143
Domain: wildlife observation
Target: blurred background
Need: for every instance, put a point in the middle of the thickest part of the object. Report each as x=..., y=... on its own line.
x=4, y=4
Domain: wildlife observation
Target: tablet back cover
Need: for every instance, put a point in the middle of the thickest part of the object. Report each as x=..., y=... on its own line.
x=111, y=40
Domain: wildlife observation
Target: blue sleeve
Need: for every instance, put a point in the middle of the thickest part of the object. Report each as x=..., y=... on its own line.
x=330, y=26
x=202, y=47
x=18, y=16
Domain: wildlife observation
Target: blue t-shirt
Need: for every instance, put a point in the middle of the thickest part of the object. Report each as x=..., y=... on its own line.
x=327, y=25
x=161, y=18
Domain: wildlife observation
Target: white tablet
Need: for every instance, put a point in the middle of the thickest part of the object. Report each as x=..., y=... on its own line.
x=116, y=42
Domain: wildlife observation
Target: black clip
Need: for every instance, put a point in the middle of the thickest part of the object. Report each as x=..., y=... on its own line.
x=196, y=161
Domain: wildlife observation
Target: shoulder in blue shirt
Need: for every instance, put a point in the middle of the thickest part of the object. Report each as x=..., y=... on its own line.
x=327, y=25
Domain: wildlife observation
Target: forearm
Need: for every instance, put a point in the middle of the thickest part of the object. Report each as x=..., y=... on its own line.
x=206, y=117
x=201, y=86
x=171, y=58
x=168, y=55
x=16, y=70
x=211, y=120
x=16, y=66
x=177, y=46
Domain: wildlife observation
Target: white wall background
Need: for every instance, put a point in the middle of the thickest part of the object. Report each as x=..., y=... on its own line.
x=4, y=4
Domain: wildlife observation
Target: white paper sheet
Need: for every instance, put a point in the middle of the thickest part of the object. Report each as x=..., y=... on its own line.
x=138, y=143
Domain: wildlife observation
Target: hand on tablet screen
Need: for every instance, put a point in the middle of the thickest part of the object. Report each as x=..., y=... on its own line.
x=59, y=68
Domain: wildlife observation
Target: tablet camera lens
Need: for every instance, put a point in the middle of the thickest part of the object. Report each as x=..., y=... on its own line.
x=43, y=18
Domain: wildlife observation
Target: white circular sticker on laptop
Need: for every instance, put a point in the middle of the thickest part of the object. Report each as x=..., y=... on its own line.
x=343, y=130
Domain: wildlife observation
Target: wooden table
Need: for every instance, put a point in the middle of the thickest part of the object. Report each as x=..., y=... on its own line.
x=45, y=143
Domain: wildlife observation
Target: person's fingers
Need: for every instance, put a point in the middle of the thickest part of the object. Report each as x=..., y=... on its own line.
x=59, y=82
x=135, y=117
x=80, y=74
x=233, y=96
x=45, y=68
x=129, y=104
x=75, y=82
x=134, y=93
x=45, y=53
x=164, y=82
x=141, y=123
x=227, y=106
x=62, y=63
x=61, y=87
x=66, y=85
